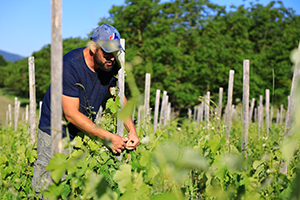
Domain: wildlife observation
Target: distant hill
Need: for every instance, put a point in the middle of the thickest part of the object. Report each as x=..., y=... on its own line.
x=10, y=56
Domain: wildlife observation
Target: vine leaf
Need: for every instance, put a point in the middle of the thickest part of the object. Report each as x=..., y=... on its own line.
x=58, y=159
x=113, y=105
x=123, y=176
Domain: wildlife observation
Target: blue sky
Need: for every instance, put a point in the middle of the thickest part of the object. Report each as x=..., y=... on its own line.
x=25, y=26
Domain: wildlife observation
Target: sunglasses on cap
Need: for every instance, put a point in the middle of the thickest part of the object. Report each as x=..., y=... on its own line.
x=115, y=53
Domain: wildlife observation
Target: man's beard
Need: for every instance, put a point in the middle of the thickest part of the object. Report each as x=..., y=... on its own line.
x=102, y=65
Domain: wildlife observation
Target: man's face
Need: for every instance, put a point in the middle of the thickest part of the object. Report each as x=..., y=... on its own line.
x=105, y=61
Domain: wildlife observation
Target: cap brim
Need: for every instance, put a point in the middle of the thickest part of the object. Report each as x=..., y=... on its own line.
x=110, y=46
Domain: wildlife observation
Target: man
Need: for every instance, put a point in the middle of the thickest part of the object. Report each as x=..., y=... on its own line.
x=88, y=74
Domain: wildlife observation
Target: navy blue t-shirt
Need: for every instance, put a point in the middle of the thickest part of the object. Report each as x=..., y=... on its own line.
x=79, y=81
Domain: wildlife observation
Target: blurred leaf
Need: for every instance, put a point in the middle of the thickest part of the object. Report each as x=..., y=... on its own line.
x=123, y=176
x=58, y=166
x=145, y=158
x=127, y=110
x=192, y=160
x=167, y=196
x=257, y=163
x=74, y=160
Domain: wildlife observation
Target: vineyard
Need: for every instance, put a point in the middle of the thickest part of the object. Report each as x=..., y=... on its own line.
x=184, y=159
x=207, y=155
x=230, y=149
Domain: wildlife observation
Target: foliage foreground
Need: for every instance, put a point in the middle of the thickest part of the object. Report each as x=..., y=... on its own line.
x=181, y=161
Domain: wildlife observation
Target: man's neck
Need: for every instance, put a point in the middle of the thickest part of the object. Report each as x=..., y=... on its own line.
x=89, y=59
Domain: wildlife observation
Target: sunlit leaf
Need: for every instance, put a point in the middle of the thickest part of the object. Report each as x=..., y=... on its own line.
x=145, y=158
x=58, y=166
x=192, y=160
x=123, y=176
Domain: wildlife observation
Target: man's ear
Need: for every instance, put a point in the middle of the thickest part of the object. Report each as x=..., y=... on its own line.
x=93, y=47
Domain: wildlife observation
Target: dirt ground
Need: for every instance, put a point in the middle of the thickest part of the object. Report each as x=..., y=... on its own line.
x=4, y=102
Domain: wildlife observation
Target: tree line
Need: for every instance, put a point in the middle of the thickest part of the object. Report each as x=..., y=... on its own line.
x=189, y=46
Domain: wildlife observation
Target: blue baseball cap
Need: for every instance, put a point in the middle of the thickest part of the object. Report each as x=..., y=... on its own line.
x=108, y=37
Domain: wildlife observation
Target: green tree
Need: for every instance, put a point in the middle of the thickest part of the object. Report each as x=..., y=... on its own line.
x=3, y=63
x=265, y=36
x=189, y=46
x=164, y=34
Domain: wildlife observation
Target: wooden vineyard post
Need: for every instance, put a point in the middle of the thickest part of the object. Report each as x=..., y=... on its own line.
x=9, y=115
x=207, y=104
x=281, y=114
x=56, y=76
x=195, y=113
x=268, y=111
x=219, y=117
x=133, y=114
x=165, y=118
x=162, y=109
x=6, y=123
x=292, y=104
x=16, y=116
x=32, y=100
x=277, y=117
x=121, y=84
x=140, y=108
x=200, y=113
x=271, y=116
x=40, y=108
x=169, y=111
x=156, y=109
x=246, y=87
x=255, y=115
x=99, y=115
x=229, y=103
x=287, y=116
x=189, y=114
x=251, y=109
x=26, y=113
x=291, y=108
x=260, y=114
x=147, y=100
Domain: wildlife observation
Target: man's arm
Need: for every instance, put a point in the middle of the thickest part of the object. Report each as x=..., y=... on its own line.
x=71, y=111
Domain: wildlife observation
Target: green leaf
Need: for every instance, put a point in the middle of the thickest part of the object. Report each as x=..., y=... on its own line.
x=3, y=158
x=152, y=170
x=145, y=158
x=113, y=105
x=93, y=181
x=257, y=163
x=53, y=192
x=66, y=190
x=289, y=146
x=77, y=142
x=123, y=176
x=192, y=160
x=127, y=110
x=58, y=166
x=166, y=196
x=74, y=161
x=213, y=143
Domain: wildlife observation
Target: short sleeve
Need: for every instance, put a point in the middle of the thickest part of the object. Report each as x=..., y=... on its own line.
x=70, y=78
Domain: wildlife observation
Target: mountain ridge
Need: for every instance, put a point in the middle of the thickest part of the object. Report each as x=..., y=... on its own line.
x=11, y=57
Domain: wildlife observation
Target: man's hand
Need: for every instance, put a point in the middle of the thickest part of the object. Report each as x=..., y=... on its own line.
x=133, y=141
x=118, y=143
